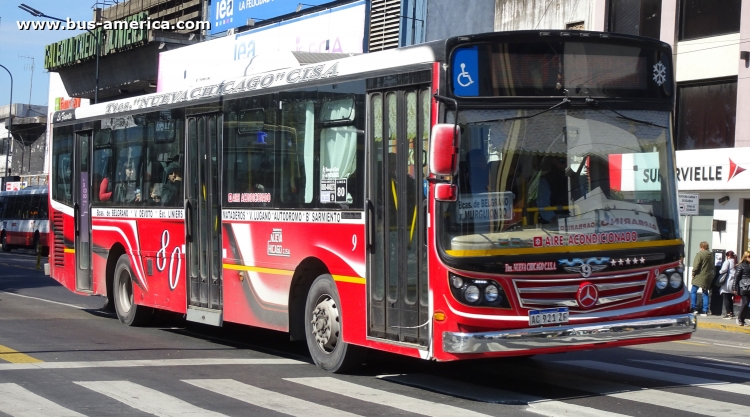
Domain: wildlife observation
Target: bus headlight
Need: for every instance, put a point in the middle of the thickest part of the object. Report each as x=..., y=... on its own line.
x=471, y=294
x=675, y=280
x=491, y=293
x=477, y=292
x=456, y=281
x=668, y=282
x=661, y=282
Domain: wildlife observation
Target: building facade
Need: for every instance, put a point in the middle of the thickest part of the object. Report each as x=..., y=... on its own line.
x=23, y=144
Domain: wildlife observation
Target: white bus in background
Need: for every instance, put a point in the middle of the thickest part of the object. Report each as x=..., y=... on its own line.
x=24, y=217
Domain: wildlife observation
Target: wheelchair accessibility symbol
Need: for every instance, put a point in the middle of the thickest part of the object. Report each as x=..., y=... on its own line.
x=464, y=79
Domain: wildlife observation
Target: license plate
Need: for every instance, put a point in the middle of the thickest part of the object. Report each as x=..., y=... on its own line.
x=549, y=316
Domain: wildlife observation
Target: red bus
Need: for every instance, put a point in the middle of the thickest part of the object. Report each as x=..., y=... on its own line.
x=24, y=219
x=452, y=200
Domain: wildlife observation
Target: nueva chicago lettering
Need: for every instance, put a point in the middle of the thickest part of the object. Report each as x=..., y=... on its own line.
x=308, y=73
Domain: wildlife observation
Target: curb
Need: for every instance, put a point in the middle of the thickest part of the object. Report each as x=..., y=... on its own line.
x=725, y=327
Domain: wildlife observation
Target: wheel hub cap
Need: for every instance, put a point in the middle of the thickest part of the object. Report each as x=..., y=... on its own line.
x=325, y=324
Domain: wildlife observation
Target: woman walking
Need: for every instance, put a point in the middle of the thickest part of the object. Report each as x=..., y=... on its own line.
x=742, y=286
x=727, y=287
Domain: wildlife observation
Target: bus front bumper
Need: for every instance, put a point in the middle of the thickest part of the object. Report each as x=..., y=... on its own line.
x=568, y=335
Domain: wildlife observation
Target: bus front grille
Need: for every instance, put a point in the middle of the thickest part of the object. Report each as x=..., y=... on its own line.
x=612, y=290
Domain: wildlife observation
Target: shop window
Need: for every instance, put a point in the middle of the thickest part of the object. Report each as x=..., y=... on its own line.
x=703, y=18
x=706, y=115
x=641, y=18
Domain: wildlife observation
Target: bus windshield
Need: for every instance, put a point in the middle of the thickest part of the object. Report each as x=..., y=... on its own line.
x=566, y=177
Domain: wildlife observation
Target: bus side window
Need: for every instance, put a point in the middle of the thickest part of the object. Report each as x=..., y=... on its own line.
x=103, y=180
x=43, y=206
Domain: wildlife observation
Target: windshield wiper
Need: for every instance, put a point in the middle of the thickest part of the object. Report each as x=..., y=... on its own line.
x=560, y=104
x=595, y=103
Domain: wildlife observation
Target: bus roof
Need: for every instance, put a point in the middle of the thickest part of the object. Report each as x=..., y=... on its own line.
x=307, y=70
x=32, y=189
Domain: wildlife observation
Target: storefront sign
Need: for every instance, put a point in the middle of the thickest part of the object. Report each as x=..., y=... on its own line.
x=704, y=169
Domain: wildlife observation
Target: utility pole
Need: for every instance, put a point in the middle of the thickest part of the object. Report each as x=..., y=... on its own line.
x=31, y=85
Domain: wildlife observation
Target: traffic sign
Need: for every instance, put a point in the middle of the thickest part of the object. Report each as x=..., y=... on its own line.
x=688, y=204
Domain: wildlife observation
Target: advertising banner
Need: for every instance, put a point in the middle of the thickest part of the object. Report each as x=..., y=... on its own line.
x=337, y=30
x=228, y=14
x=704, y=169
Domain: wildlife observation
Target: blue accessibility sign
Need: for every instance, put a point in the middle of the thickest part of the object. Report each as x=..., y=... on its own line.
x=466, y=72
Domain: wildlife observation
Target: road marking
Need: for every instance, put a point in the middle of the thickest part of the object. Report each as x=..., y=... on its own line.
x=13, y=356
x=461, y=389
x=145, y=362
x=46, y=301
x=706, y=369
x=728, y=364
x=474, y=392
x=17, y=401
x=690, y=343
x=146, y=399
x=655, y=397
x=561, y=409
x=271, y=400
x=372, y=395
x=664, y=376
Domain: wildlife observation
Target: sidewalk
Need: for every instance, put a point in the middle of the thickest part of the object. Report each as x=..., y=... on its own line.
x=717, y=323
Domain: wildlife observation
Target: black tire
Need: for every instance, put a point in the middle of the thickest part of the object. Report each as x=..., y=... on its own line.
x=323, y=329
x=5, y=246
x=127, y=311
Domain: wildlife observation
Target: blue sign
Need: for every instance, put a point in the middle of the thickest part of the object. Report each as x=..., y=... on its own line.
x=228, y=14
x=466, y=72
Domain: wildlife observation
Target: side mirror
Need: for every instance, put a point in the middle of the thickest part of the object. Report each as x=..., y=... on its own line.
x=443, y=153
x=446, y=192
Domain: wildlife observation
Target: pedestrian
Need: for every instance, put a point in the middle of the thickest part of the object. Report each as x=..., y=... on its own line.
x=725, y=281
x=703, y=276
x=742, y=286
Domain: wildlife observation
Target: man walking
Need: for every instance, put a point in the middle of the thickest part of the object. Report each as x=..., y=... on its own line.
x=703, y=276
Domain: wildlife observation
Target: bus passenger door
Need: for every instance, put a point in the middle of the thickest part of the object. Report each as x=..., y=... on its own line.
x=203, y=219
x=396, y=215
x=82, y=210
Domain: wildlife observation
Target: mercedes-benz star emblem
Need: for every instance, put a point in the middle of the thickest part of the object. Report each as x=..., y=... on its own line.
x=587, y=295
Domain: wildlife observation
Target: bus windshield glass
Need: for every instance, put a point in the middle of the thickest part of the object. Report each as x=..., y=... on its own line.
x=566, y=177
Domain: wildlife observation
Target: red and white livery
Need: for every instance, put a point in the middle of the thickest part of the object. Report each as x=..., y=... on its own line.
x=446, y=201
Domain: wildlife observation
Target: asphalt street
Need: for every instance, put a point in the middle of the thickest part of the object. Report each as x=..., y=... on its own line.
x=60, y=355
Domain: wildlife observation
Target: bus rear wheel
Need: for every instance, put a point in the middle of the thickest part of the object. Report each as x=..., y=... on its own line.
x=127, y=311
x=5, y=245
x=324, y=329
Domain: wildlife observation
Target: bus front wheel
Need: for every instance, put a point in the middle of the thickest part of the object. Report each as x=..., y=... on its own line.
x=127, y=311
x=324, y=329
